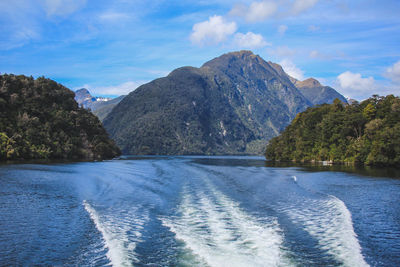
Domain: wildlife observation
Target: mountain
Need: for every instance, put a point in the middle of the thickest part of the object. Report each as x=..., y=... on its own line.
x=99, y=106
x=316, y=93
x=84, y=98
x=231, y=105
x=40, y=119
x=363, y=133
x=102, y=108
x=351, y=100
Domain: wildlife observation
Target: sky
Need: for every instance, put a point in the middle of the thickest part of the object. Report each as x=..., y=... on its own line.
x=112, y=47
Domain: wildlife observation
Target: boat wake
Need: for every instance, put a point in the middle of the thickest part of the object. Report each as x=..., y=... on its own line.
x=329, y=221
x=325, y=218
x=121, y=231
x=216, y=230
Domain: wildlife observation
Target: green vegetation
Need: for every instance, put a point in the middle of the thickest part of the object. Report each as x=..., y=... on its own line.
x=39, y=119
x=363, y=133
x=231, y=105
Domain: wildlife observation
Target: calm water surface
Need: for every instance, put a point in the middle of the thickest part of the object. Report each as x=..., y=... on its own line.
x=197, y=211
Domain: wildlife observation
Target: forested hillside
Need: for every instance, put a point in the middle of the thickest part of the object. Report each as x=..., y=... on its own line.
x=231, y=105
x=365, y=133
x=40, y=119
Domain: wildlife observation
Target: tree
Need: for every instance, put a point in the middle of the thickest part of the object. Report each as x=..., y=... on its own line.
x=365, y=133
x=369, y=111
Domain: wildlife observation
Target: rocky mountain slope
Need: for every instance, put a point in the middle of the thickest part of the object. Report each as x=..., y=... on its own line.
x=99, y=106
x=318, y=94
x=102, y=108
x=84, y=98
x=40, y=119
x=233, y=104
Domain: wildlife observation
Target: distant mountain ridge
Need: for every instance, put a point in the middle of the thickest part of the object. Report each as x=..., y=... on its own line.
x=318, y=94
x=102, y=108
x=99, y=106
x=231, y=105
x=84, y=98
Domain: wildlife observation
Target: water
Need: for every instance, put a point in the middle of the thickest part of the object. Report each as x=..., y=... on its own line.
x=197, y=211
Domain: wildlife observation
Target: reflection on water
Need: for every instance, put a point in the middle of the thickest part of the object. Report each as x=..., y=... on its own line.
x=391, y=172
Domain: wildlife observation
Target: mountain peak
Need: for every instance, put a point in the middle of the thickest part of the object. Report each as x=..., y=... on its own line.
x=230, y=105
x=82, y=91
x=243, y=56
x=241, y=53
x=314, y=91
x=83, y=97
x=244, y=66
x=310, y=82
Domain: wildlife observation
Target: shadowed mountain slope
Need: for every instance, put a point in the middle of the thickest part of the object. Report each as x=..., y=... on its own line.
x=233, y=104
x=102, y=108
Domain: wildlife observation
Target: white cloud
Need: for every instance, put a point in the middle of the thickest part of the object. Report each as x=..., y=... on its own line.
x=238, y=10
x=282, y=29
x=62, y=7
x=356, y=86
x=121, y=89
x=282, y=52
x=212, y=31
x=300, y=6
x=257, y=11
x=250, y=40
x=290, y=68
x=354, y=81
x=393, y=72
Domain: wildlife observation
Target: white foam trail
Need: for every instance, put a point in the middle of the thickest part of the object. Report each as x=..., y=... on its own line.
x=330, y=222
x=220, y=233
x=121, y=233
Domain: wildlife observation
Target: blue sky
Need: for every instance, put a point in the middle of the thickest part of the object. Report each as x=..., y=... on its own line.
x=111, y=47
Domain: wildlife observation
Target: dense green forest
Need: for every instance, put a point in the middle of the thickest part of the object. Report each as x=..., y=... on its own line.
x=39, y=119
x=363, y=133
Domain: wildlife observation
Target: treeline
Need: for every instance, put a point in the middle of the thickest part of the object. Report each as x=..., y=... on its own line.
x=362, y=133
x=39, y=119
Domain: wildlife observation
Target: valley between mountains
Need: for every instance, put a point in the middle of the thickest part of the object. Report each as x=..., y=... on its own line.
x=231, y=105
